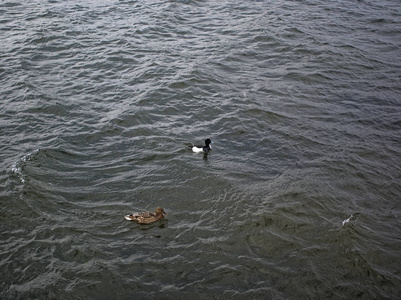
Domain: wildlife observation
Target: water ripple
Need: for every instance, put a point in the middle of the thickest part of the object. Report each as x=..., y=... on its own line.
x=297, y=199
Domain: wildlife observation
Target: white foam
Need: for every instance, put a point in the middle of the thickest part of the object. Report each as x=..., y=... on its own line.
x=346, y=220
x=350, y=218
x=16, y=168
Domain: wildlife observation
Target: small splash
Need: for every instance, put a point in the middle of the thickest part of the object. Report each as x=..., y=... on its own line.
x=19, y=164
x=350, y=218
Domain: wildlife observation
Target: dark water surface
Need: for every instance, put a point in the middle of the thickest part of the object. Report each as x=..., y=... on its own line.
x=299, y=199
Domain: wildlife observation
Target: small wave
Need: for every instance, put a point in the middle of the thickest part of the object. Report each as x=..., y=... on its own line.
x=352, y=217
x=19, y=164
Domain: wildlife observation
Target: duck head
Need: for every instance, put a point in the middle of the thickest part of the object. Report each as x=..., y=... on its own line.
x=160, y=211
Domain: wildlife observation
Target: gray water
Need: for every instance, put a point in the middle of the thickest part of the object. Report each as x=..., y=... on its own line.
x=299, y=198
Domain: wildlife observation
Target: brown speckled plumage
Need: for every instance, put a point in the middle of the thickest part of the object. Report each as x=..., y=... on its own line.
x=147, y=217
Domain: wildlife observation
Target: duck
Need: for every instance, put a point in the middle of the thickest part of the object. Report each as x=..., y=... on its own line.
x=147, y=217
x=204, y=149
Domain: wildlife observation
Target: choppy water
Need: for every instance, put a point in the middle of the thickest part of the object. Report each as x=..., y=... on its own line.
x=299, y=199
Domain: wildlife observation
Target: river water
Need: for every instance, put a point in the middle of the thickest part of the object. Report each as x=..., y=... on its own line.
x=299, y=198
